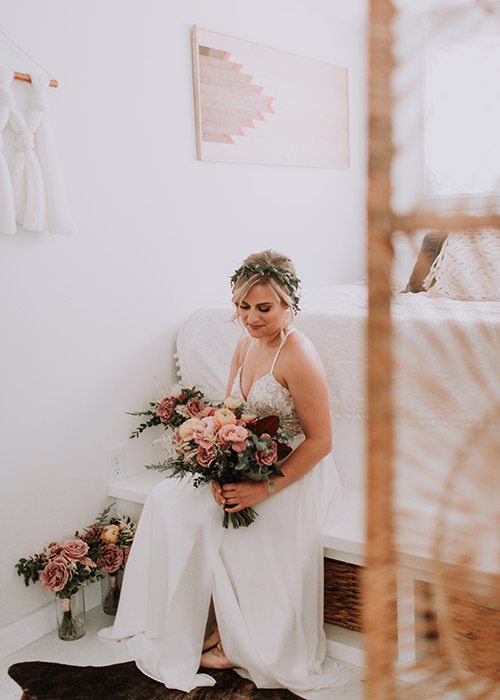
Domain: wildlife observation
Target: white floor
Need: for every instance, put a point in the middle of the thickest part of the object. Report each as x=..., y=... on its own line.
x=90, y=651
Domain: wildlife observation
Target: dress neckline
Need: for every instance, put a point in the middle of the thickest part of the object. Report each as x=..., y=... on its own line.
x=267, y=374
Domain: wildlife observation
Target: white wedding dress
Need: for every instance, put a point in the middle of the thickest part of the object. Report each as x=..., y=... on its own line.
x=266, y=580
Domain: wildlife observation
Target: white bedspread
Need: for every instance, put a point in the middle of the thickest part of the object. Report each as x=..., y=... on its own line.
x=439, y=343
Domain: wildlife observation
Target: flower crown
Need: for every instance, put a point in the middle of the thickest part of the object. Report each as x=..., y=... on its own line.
x=285, y=278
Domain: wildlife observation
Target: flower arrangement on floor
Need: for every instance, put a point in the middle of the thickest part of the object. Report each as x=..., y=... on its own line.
x=65, y=567
x=109, y=539
x=62, y=567
x=216, y=442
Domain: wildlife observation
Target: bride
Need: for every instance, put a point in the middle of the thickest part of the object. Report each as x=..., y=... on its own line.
x=266, y=580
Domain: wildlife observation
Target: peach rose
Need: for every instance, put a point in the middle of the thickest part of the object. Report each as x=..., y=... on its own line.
x=185, y=430
x=233, y=402
x=110, y=534
x=75, y=549
x=223, y=416
x=55, y=575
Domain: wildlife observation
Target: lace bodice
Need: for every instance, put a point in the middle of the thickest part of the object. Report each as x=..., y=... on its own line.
x=266, y=397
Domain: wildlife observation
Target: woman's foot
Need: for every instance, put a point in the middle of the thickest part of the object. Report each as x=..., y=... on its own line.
x=215, y=658
x=212, y=639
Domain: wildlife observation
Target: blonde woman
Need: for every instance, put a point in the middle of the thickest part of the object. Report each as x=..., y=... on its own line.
x=266, y=580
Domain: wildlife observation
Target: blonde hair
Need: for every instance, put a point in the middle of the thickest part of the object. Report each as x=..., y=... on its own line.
x=266, y=262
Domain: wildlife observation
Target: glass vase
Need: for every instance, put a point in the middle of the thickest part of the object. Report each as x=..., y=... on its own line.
x=71, y=616
x=111, y=586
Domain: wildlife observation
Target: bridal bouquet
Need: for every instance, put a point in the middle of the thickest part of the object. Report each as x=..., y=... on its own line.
x=217, y=442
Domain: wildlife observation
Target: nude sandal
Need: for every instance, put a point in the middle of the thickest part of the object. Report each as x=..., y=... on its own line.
x=215, y=658
x=212, y=640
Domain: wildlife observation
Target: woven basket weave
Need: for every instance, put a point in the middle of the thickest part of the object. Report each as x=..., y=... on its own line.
x=343, y=594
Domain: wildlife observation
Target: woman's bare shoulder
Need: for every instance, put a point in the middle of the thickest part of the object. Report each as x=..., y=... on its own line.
x=241, y=348
x=299, y=345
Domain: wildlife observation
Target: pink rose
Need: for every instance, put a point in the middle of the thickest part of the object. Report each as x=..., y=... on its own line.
x=165, y=409
x=232, y=433
x=55, y=575
x=75, y=549
x=195, y=407
x=87, y=563
x=110, y=559
x=239, y=446
x=265, y=458
x=208, y=411
x=205, y=457
x=54, y=549
x=204, y=432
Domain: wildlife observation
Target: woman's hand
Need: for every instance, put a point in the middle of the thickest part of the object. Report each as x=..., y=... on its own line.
x=244, y=494
x=217, y=494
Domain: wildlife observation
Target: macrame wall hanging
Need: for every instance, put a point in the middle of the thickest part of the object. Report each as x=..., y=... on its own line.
x=32, y=193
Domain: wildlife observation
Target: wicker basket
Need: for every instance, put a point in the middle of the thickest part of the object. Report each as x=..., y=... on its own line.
x=343, y=594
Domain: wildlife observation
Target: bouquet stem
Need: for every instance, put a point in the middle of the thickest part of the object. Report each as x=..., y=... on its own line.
x=71, y=625
x=242, y=518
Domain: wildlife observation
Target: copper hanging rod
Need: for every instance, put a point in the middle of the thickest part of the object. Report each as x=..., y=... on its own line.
x=27, y=79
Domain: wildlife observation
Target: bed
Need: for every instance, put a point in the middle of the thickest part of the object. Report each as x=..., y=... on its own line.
x=444, y=351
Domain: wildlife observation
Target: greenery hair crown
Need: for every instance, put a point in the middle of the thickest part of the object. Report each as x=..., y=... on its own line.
x=285, y=278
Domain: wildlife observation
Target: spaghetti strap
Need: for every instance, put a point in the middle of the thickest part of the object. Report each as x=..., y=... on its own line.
x=279, y=349
x=246, y=353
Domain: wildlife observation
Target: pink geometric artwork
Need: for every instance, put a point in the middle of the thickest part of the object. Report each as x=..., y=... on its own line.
x=230, y=100
x=256, y=104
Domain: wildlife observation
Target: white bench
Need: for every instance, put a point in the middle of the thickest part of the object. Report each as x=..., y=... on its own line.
x=343, y=541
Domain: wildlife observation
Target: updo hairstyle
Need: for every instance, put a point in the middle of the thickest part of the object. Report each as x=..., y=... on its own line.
x=266, y=259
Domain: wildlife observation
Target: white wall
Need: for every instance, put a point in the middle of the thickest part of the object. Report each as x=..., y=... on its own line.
x=89, y=322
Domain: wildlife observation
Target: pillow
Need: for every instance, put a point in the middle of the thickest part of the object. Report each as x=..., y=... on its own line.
x=468, y=267
x=405, y=252
x=429, y=250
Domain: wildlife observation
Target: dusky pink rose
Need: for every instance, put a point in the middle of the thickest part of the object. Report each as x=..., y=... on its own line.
x=239, y=446
x=204, y=432
x=110, y=559
x=54, y=549
x=165, y=409
x=75, y=549
x=55, y=575
x=205, y=457
x=232, y=433
x=195, y=407
x=265, y=458
x=88, y=563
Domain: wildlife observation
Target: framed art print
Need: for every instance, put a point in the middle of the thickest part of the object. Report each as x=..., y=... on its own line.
x=256, y=104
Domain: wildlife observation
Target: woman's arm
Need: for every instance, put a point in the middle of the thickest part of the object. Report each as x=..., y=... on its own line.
x=301, y=368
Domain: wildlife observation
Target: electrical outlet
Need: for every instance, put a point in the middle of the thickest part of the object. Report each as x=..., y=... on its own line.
x=116, y=463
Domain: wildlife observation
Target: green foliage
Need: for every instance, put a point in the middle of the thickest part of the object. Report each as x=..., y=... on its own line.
x=285, y=279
